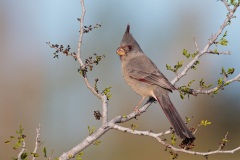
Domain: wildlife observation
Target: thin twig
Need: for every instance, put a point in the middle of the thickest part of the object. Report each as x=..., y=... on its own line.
x=200, y=91
x=22, y=150
x=37, y=142
x=81, y=34
x=82, y=65
x=214, y=52
x=196, y=45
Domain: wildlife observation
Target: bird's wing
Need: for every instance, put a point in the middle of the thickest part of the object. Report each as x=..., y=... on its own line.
x=144, y=70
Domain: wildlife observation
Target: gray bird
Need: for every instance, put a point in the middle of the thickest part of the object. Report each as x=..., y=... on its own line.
x=143, y=76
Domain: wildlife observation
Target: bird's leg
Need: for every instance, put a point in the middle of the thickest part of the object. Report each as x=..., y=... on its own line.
x=139, y=103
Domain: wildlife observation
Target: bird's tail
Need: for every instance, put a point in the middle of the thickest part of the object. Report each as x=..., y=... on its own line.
x=173, y=116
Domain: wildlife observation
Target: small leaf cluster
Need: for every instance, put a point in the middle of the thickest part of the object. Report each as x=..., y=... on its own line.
x=179, y=64
x=96, y=142
x=61, y=49
x=176, y=67
x=79, y=156
x=106, y=91
x=204, y=123
x=186, y=90
x=188, y=55
x=87, y=29
x=225, y=73
x=174, y=155
x=223, y=41
x=20, y=138
x=173, y=138
x=91, y=130
x=222, y=81
x=203, y=84
x=188, y=119
x=89, y=62
x=234, y=2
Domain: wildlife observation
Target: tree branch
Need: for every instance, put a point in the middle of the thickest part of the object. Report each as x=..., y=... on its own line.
x=163, y=142
x=200, y=91
x=212, y=40
x=103, y=129
x=112, y=124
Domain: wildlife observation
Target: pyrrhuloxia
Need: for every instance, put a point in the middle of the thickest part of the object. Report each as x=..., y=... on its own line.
x=142, y=75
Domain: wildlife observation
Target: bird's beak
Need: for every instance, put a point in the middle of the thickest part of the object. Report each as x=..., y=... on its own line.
x=121, y=51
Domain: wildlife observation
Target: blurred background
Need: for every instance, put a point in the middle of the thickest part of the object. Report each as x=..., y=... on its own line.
x=36, y=88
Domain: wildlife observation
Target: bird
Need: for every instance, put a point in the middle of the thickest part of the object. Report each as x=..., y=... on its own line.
x=143, y=76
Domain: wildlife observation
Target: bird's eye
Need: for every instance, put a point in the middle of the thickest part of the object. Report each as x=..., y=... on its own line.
x=129, y=47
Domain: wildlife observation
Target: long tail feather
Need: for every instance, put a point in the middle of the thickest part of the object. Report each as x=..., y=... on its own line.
x=173, y=116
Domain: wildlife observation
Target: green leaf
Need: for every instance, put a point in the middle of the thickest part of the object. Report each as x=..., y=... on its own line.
x=182, y=96
x=223, y=42
x=91, y=130
x=203, y=85
x=24, y=156
x=35, y=154
x=45, y=151
x=173, y=139
x=188, y=119
x=205, y=123
x=97, y=142
x=194, y=54
x=169, y=67
x=186, y=54
x=7, y=142
x=225, y=34
x=177, y=66
x=215, y=51
x=220, y=81
x=190, y=83
x=79, y=156
x=106, y=91
x=230, y=70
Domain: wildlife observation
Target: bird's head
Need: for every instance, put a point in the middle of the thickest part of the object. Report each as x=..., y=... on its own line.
x=128, y=44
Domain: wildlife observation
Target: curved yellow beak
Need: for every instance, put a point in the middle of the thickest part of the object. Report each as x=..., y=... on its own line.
x=121, y=51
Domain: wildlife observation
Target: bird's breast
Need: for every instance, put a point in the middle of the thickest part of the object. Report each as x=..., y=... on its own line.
x=141, y=88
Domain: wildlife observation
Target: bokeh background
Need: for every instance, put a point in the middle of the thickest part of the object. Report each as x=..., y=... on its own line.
x=36, y=88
